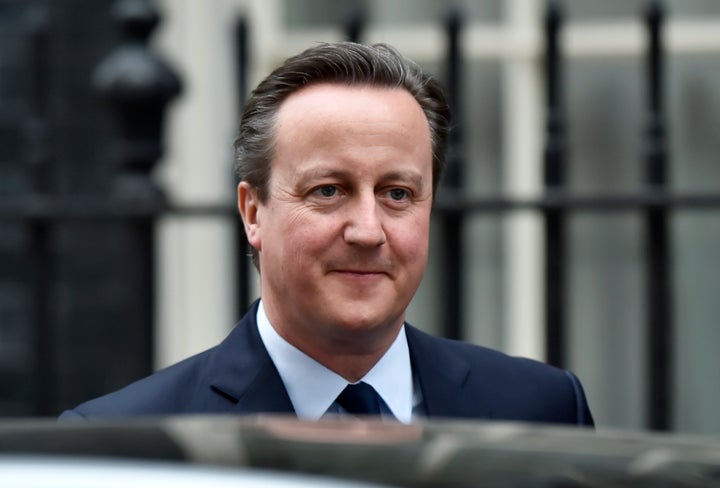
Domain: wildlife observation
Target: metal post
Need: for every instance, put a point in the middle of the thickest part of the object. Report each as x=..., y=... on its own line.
x=138, y=86
x=554, y=179
x=37, y=132
x=354, y=23
x=45, y=361
x=452, y=183
x=38, y=156
x=659, y=293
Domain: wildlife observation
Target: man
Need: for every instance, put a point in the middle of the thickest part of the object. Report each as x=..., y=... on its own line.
x=339, y=153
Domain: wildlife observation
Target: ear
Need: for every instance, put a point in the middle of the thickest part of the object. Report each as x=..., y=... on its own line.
x=248, y=204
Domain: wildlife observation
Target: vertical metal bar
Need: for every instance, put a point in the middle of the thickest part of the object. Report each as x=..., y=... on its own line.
x=42, y=264
x=554, y=180
x=354, y=23
x=144, y=230
x=452, y=182
x=137, y=88
x=243, y=248
x=37, y=129
x=657, y=265
x=45, y=359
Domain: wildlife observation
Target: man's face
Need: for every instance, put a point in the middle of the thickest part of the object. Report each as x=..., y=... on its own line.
x=343, y=234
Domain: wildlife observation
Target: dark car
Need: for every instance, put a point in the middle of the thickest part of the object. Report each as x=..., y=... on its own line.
x=280, y=451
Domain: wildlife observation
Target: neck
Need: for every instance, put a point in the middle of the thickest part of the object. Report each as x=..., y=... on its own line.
x=350, y=358
x=352, y=368
x=349, y=349
x=349, y=353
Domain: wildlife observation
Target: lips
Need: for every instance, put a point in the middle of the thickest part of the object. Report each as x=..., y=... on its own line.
x=359, y=272
x=370, y=267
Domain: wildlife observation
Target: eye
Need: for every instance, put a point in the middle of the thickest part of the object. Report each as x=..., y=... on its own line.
x=326, y=191
x=398, y=194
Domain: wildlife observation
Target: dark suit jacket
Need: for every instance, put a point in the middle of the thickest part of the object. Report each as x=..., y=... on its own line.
x=457, y=379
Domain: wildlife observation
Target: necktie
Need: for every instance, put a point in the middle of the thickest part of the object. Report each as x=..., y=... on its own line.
x=360, y=399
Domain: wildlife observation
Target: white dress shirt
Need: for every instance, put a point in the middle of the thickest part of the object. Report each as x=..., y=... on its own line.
x=313, y=388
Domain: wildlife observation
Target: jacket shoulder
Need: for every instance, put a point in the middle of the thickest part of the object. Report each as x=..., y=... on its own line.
x=203, y=383
x=172, y=390
x=501, y=386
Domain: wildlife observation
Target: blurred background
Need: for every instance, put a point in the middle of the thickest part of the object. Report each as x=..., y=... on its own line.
x=579, y=222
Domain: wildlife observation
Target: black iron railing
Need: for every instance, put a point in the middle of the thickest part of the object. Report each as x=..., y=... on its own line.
x=656, y=202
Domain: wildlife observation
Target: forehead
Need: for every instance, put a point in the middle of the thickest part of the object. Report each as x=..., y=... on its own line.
x=334, y=109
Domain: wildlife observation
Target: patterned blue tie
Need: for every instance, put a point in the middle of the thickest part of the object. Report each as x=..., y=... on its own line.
x=360, y=399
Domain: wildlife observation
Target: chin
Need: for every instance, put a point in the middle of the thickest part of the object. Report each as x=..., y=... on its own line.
x=362, y=321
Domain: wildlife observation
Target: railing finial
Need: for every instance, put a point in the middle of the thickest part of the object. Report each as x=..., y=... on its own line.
x=138, y=86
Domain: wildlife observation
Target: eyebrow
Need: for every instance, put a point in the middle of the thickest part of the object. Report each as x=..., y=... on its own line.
x=314, y=173
x=396, y=175
x=411, y=176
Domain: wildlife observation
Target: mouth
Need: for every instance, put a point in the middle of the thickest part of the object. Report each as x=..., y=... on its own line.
x=358, y=271
x=361, y=268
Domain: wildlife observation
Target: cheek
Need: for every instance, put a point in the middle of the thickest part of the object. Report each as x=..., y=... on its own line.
x=305, y=236
x=412, y=242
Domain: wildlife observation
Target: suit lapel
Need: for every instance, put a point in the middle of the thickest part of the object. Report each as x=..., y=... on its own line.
x=443, y=378
x=266, y=394
x=242, y=372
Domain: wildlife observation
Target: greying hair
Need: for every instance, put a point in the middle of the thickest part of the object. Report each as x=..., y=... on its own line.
x=343, y=62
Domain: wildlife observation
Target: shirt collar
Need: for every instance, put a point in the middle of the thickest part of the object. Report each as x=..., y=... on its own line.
x=313, y=388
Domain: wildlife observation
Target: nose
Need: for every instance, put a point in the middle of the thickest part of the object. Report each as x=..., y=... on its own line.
x=364, y=226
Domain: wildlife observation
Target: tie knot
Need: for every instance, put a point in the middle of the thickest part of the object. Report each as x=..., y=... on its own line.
x=360, y=399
